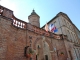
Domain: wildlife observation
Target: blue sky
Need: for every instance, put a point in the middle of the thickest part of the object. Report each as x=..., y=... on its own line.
x=46, y=9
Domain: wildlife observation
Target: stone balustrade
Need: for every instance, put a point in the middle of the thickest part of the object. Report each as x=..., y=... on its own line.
x=18, y=23
x=1, y=10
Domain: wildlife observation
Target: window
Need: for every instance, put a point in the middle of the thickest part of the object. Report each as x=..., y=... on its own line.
x=46, y=57
x=68, y=34
x=72, y=37
x=70, y=27
x=75, y=38
x=54, y=23
x=76, y=52
x=36, y=57
x=70, y=55
x=64, y=22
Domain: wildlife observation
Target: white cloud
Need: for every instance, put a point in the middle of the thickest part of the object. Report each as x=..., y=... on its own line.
x=10, y=5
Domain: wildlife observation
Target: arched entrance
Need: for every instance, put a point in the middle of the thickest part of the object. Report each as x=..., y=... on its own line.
x=46, y=50
x=42, y=49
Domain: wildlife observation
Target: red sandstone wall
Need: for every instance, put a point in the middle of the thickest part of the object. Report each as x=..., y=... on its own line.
x=12, y=41
x=58, y=44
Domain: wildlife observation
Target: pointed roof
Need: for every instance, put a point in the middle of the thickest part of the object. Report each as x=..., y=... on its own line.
x=33, y=13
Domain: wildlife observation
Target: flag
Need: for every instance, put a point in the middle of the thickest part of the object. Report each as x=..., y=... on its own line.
x=55, y=29
x=52, y=28
x=46, y=27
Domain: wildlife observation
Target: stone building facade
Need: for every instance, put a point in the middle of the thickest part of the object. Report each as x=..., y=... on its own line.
x=66, y=27
x=20, y=40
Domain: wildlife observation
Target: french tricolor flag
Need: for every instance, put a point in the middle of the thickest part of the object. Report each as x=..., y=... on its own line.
x=52, y=28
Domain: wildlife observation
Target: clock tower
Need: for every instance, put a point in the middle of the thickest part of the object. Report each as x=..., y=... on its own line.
x=34, y=19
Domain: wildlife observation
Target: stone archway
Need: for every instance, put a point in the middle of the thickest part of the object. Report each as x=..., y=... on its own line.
x=46, y=50
x=34, y=44
x=42, y=48
x=50, y=45
x=38, y=46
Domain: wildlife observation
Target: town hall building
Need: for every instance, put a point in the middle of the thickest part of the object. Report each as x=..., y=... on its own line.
x=20, y=40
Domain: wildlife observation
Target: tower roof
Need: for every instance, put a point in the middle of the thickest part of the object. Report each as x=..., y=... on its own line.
x=34, y=13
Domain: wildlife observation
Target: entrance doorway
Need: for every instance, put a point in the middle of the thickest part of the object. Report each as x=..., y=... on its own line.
x=46, y=57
